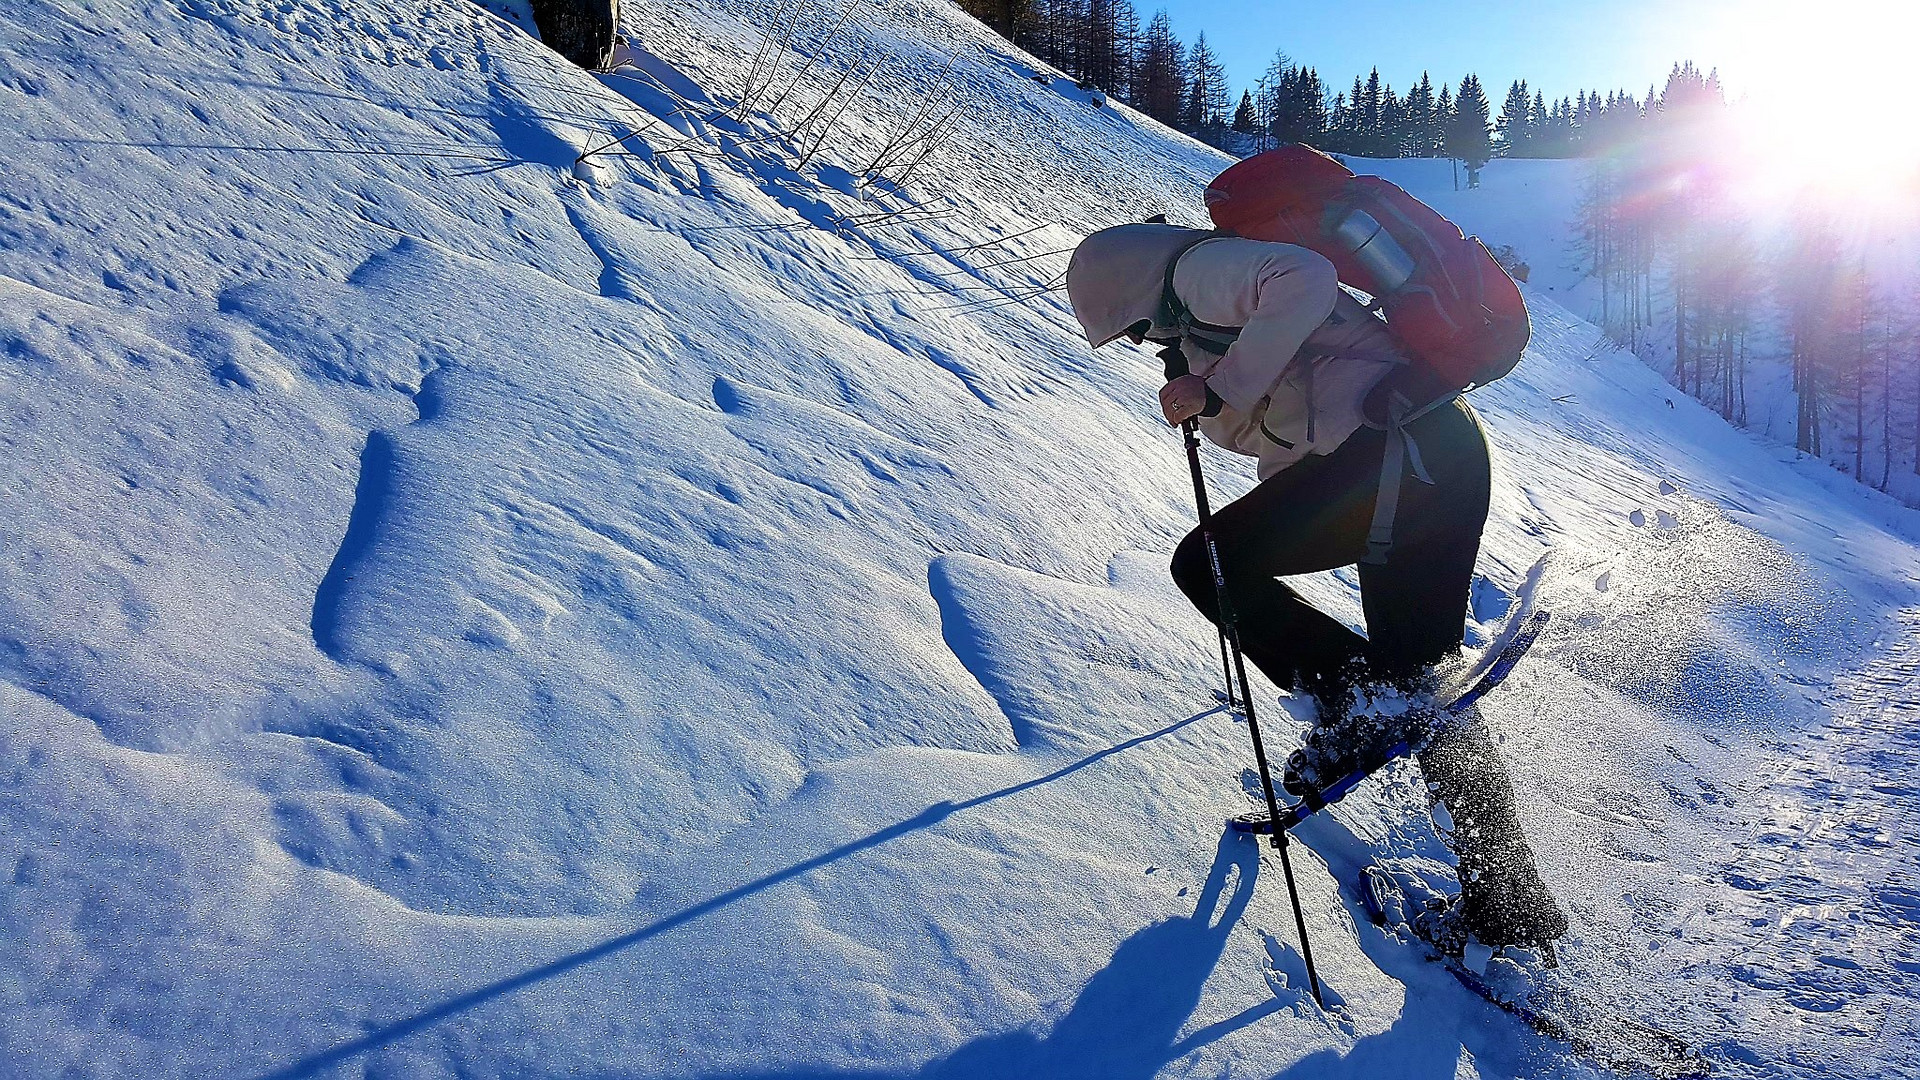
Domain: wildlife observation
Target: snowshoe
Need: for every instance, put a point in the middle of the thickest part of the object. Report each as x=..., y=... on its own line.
x=1382, y=721
x=1487, y=671
x=1527, y=986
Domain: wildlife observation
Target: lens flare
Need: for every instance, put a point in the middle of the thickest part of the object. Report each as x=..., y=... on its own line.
x=1820, y=101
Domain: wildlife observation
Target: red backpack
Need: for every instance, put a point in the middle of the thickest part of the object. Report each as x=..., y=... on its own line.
x=1445, y=298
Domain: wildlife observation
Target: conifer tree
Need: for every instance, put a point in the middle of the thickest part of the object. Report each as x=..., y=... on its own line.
x=1418, y=133
x=1848, y=344
x=1808, y=284
x=1469, y=139
x=1160, y=72
x=1513, y=122
x=1270, y=99
x=1300, y=114
x=1369, y=126
x=1907, y=342
x=1350, y=123
x=1393, y=124
x=1245, y=120
x=1204, y=112
x=1111, y=28
x=1008, y=18
x=1339, y=125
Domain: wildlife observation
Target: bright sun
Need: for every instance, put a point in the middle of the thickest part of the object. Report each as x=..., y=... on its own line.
x=1820, y=92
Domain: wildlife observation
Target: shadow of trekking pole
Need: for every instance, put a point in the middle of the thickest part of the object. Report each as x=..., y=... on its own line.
x=399, y=1029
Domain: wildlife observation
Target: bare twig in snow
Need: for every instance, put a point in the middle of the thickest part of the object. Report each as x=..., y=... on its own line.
x=819, y=51
x=958, y=250
x=937, y=136
x=913, y=121
x=1002, y=262
x=1034, y=293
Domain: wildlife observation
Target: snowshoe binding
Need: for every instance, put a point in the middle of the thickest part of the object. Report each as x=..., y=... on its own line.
x=1360, y=728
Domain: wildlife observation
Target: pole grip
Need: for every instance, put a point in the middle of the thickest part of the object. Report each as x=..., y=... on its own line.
x=1191, y=431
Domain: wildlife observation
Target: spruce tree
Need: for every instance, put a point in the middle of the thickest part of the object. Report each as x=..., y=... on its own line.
x=1418, y=133
x=1313, y=103
x=1512, y=125
x=1370, y=126
x=1469, y=139
x=1393, y=125
x=1339, y=125
x=1245, y=120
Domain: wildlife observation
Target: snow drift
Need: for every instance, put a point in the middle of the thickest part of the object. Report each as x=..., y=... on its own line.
x=700, y=611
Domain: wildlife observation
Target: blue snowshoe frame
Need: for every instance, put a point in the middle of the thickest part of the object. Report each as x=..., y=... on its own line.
x=1506, y=656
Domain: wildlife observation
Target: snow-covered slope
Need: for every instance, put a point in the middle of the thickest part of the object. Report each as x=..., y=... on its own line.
x=471, y=614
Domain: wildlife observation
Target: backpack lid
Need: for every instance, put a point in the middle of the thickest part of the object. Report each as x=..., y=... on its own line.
x=1262, y=188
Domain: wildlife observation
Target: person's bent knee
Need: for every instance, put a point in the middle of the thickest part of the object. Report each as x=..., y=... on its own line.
x=1193, y=572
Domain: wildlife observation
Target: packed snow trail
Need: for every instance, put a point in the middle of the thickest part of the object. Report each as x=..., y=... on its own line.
x=473, y=613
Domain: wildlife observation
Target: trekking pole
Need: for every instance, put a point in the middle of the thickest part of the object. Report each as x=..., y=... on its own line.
x=1230, y=633
x=1226, y=671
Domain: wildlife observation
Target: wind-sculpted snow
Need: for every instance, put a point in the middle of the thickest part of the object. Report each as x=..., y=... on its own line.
x=703, y=611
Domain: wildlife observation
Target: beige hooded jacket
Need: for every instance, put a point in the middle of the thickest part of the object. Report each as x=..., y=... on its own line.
x=1294, y=382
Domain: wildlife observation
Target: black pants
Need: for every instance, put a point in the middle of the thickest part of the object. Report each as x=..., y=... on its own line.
x=1315, y=516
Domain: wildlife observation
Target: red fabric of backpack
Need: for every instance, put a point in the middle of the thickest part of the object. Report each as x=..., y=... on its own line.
x=1454, y=308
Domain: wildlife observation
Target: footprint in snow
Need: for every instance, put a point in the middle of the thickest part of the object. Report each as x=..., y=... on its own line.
x=1665, y=520
x=1603, y=582
x=1667, y=488
x=1638, y=518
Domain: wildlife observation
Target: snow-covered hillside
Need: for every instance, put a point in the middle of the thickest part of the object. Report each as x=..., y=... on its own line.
x=702, y=612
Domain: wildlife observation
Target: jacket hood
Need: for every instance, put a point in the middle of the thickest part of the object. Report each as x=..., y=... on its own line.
x=1116, y=277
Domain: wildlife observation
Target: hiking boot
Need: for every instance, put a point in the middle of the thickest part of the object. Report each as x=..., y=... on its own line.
x=1360, y=727
x=1505, y=903
x=1447, y=927
x=1440, y=925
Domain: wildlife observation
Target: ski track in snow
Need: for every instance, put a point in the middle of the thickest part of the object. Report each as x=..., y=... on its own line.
x=705, y=614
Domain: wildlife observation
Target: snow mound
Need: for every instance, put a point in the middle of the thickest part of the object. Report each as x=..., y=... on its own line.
x=519, y=572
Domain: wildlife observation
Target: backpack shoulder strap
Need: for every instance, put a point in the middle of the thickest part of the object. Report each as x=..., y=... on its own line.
x=1211, y=337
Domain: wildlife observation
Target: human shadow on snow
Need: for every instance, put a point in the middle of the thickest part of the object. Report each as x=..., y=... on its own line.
x=1160, y=969
x=1125, y=1025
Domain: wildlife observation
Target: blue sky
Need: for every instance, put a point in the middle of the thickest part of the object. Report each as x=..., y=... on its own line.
x=1560, y=47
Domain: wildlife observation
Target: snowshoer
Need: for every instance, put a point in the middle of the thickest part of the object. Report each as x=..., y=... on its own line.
x=1280, y=364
